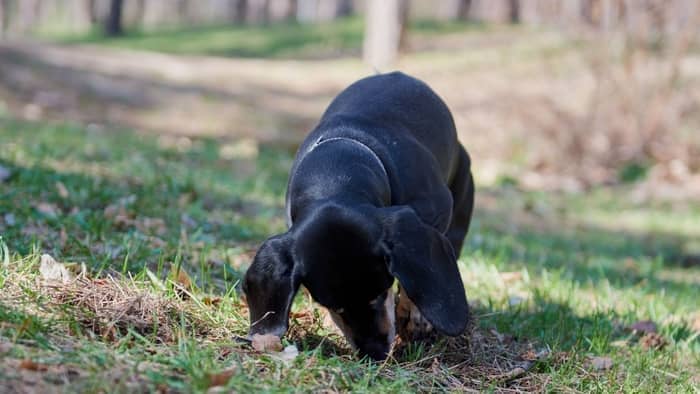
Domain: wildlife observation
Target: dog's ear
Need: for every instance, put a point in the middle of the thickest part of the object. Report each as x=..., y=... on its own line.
x=424, y=262
x=270, y=285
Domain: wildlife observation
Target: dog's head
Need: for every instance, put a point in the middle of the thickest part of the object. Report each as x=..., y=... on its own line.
x=348, y=259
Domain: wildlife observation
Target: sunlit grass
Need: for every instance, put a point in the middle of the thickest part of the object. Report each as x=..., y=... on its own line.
x=558, y=271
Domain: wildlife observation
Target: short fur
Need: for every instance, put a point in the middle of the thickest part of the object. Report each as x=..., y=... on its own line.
x=380, y=190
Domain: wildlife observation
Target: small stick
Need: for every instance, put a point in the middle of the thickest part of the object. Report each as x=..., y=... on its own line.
x=521, y=369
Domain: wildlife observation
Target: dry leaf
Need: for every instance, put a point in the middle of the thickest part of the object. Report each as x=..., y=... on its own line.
x=10, y=219
x=221, y=378
x=695, y=325
x=183, y=282
x=653, y=341
x=61, y=189
x=181, y=277
x=266, y=343
x=212, y=301
x=287, y=355
x=435, y=366
x=601, y=363
x=515, y=300
x=510, y=277
x=47, y=209
x=644, y=327
x=51, y=270
x=32, y=366
x=151, y=226
x=4, y=173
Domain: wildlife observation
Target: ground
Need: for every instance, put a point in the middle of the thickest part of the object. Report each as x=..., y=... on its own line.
x=588, y=291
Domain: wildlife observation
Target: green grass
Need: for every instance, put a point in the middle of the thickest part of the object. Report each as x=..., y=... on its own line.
x=567, y=273
x=280, y=40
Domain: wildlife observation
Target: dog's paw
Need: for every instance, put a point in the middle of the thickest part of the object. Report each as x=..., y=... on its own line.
x=410, y=323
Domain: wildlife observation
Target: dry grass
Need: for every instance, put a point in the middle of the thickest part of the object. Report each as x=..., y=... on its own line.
x=116, y=307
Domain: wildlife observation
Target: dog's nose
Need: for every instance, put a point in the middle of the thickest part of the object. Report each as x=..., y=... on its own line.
x=375, y=350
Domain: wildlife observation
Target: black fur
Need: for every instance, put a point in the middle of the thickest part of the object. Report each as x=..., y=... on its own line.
x=380, y=189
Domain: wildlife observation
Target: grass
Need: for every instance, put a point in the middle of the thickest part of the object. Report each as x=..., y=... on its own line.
x=280, y=40
x=542, y=271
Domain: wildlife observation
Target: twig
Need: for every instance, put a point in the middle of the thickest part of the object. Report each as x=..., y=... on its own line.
x=521, y=369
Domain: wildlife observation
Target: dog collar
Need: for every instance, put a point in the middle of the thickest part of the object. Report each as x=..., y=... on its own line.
x=362, y=145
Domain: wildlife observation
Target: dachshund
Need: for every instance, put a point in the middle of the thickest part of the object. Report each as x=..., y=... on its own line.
x=381, y=190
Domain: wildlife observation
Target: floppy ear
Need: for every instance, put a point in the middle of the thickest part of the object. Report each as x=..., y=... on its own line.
x=423, y=261
x=270, y=285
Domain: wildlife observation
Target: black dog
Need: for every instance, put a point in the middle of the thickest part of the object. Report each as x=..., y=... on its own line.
x=381, y=189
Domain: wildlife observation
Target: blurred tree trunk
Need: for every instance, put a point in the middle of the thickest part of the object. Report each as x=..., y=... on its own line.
x=28, y=10
x=383, y=25
x=458, y=9
x=281, y=10
x=239, y=9
x=92, y=11
x=306, y=11
x=4, y=10
x=113, y=23
x=140, y=11
x=514, y=11
x=312, y=11
x=257, y=11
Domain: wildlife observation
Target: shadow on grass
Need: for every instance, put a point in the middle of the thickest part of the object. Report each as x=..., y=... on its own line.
x=120, y=202
x=515, y=236
x=90, y=95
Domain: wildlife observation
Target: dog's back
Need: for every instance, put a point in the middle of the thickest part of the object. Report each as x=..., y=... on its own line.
x=391, y=105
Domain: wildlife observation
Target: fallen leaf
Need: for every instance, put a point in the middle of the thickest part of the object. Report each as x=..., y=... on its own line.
x=10, y=219
x=51, y=270
x=221, y=378
x=510, y=277
x=644, y=327
x=435, y=366
x=61, y=189
x=601, y=363
x=212, y=301
x=653, y=341
x=4, y=173
x=33, y=366
x=619, y=343
x=181, y=277
x=515, y=300
x=47, y=209
x=696, y=323
x=151, y=226
x=287, y=355
x=266, y=342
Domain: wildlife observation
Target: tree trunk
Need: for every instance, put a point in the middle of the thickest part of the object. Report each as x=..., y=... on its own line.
x=3, y=17
x=257, y=11
x=453, y=10
x=28, y=11
x=383, y=24
x=307, y=11
x=514, y=11
x=113, y=23
x=281, y=10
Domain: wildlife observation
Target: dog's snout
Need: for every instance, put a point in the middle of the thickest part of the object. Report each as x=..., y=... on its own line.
x=377, y=350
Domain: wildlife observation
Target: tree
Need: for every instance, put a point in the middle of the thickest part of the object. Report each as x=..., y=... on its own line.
x=4, y=10
x=113, y=22
x=455, y=9
x=384, y=22
x=514, y=11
